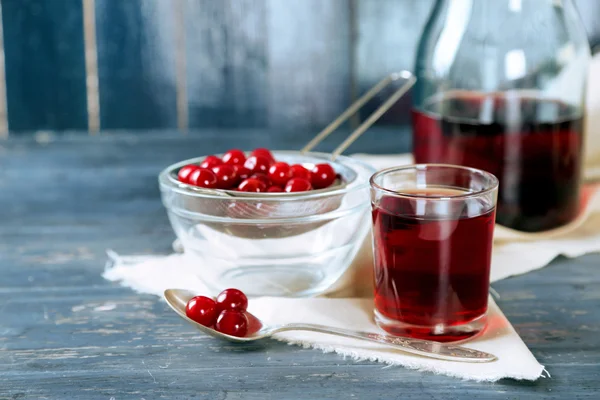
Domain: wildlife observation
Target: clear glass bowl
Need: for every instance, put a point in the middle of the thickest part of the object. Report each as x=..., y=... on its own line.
x=276, y=244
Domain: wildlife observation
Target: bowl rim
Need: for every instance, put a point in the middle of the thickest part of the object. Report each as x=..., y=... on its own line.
x=167, y=182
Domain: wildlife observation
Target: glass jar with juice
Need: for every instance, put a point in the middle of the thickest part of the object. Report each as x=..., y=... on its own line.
x=501, y=87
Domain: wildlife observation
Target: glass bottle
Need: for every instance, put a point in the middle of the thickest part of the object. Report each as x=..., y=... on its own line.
x=501, y=87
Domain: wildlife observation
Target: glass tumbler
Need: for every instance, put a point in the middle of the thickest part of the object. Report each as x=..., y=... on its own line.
x=432, y=240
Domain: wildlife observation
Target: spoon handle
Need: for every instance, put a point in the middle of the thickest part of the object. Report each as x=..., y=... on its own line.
x=425, y=348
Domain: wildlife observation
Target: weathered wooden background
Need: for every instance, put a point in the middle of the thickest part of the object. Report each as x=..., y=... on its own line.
x=87, y=65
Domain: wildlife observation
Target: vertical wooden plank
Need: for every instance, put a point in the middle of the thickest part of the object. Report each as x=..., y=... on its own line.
x=3, y=111
x=136, y=64
x=309, y=62
x=91, y=65
x=45, y=68
x=179, y=7
x=353, y=40
x=388, y=34
x=283, y=64
x=226, y=63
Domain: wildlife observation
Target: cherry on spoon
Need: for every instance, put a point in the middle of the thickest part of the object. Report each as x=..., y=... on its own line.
x=177, y=299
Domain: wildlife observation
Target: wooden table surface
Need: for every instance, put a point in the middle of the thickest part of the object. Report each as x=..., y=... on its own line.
x=66, y=333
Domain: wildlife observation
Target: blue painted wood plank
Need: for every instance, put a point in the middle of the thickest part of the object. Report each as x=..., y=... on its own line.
x=136, y=64
x=310, y=57
x=226, y=63
x=267, y=63
x=67, y=333
x=388, y=33
x=45, y=67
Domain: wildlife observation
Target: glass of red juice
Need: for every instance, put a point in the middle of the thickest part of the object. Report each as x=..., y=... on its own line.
x=433, y=227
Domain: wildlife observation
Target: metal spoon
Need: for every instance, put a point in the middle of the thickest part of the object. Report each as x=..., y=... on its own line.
x=178, y=298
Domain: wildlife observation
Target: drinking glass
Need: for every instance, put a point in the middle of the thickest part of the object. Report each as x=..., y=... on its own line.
x=432, y=240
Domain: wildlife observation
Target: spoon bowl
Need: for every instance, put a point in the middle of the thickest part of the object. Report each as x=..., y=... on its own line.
x=177, y=299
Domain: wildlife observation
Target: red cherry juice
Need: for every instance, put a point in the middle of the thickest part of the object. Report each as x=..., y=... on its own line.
x=533, y=146
x=431, y=272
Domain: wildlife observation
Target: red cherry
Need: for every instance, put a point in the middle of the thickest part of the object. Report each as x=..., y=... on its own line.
x=274, y=189
x=263, y=178
x=226, y=176
x=202, y=309
x=264, y=153
x=322, y=176
x=232, y=322
x=258, y=164
x=232, y=299
x=280, y=173
x=242, y=172
x=184, y=173
x=211, y=161
x=252, y=185
x=234, y=157
x=203, y=177
x=298, y=171
x=297, y=185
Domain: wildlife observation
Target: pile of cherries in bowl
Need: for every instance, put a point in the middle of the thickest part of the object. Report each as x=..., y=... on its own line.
x=259, y=173
x=226, y=313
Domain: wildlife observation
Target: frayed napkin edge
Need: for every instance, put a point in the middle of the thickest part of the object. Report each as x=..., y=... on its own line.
x=355, y=356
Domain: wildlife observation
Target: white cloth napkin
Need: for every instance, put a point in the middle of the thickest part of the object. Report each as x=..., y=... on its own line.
x=513, y=254
x=154, y=274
